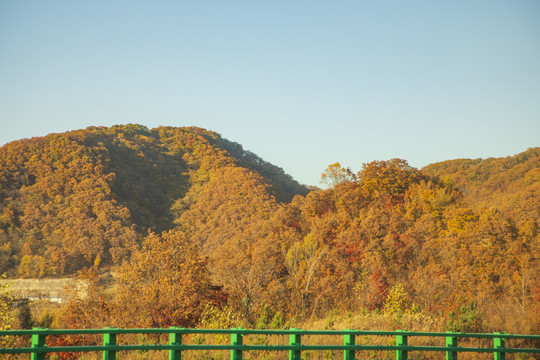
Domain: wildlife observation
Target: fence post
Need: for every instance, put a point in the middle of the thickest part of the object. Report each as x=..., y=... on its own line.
x=237, y=339
x=349, y=340
x=109, y=339
x=451, y=341
x=295, y=340
x=175, y=338
x=401, y=340
x=498, y=344
x=38, y=341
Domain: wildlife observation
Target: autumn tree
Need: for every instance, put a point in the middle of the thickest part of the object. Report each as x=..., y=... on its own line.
x=6, y=306
x=336, y=174
x=304, y=261
x=170, y=281
x=230, y=221
x=392, y=177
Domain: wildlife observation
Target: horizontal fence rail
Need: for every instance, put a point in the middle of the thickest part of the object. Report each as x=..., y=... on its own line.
x=37, y=340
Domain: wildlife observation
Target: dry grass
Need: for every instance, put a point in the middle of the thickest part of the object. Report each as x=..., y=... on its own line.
x=366, y=321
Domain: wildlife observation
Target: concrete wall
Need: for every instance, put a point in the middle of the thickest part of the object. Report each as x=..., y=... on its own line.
x=52, y=289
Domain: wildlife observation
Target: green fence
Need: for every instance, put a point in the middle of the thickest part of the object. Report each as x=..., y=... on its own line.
x=34, y=342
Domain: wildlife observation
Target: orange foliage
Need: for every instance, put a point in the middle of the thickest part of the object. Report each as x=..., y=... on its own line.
x=226, y=226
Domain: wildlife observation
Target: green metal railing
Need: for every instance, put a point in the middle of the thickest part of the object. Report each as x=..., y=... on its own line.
x=449, y=342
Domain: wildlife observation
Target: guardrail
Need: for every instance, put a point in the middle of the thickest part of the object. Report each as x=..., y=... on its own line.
x=37, y=339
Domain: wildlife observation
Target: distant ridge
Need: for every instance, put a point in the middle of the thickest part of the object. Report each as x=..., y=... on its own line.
x=497, y=182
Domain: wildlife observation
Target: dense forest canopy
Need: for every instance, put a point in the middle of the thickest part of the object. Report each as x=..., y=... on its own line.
x=70, y=200
x=213, y=231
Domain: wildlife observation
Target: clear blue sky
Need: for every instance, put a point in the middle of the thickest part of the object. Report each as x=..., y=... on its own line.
x=303, y=84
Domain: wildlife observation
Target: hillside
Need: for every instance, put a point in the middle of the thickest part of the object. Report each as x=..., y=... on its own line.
x=70, y=200
x=204, y=233
x=511, y=184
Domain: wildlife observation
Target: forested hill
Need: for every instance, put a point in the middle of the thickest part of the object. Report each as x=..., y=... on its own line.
x=70, y=200
x=203, y=233
x=510, y=184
